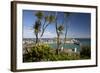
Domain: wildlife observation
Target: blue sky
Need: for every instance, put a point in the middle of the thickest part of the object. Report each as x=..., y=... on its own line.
x=79, y=25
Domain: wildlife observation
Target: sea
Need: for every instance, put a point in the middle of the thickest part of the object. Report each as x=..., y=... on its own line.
x=83, y=41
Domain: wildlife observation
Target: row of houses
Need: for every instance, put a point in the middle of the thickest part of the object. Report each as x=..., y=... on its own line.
x=49, y=40
x=28, y=42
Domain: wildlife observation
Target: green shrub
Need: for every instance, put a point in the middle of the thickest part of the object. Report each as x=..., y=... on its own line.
x=40, y=52
x=85, y=52
x=43, y=52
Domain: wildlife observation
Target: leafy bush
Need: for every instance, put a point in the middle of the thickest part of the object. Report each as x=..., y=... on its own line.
x=43, y=52
x=85, y=52
x=40, y=52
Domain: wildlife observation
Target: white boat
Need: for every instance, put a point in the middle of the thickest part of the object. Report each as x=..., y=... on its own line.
x=76, y=42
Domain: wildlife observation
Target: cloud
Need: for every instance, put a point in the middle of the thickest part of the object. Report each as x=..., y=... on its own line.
x=28, y=32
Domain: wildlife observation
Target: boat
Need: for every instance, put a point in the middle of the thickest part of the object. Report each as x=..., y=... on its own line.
x=76, y=42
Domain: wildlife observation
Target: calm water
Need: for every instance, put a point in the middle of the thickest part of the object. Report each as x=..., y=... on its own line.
x=84, y=42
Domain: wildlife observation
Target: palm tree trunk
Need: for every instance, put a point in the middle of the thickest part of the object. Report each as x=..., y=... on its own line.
x=66, y=34
x=57, y=49
x=36, y=39
x=58, y=44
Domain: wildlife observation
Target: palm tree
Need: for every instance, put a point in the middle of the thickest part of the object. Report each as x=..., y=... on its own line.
x=37, y=27
x=66, y=16
x=43, y=21
x=60, y=29
x=39, y=15
x=56, y=27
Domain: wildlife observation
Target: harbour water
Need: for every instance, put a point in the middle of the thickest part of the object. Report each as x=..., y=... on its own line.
x=52, y=43
x=84, y=42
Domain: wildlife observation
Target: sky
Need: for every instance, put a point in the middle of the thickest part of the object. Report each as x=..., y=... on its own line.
x=79, y=24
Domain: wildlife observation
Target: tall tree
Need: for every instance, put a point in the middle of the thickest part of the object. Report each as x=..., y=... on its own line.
x=47, y=20
x=59, y=31
x=66, y=20
x=37, y=25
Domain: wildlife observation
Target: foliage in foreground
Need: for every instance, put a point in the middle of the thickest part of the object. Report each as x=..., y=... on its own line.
x=44, y=52
x=85, y=52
